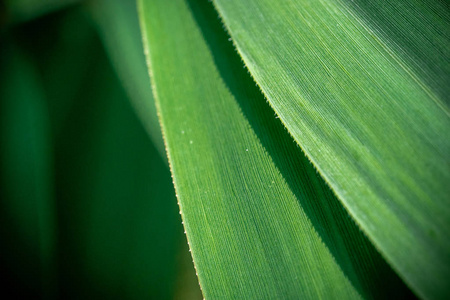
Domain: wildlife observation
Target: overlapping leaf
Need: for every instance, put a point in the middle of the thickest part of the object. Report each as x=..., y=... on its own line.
x=363, y=89
x=119, y=30
x=87, y=206
x=261, y=222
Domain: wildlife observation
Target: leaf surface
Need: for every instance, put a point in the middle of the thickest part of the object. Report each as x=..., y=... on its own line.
x=260, y=221
x=363, y=89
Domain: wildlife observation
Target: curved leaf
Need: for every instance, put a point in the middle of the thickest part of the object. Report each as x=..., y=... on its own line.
x=119, y=29
x=261, y=223
x=363, y=89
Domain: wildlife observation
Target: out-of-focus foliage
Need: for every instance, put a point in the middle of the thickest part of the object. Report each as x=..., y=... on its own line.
x=119, y=30
x=25, y=10
x=87, y=203
x=306, y=141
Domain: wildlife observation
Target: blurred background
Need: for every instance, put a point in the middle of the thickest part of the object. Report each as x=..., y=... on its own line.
x=87, y=205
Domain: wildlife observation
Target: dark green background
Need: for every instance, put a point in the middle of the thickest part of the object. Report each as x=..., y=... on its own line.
x=87, y=204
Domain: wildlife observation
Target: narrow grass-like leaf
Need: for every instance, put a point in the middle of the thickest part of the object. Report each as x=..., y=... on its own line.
x=27, y=208
x=119, y=231
x=119, y=29
x=62, y=56
x=119, y=227
x=24, y=10
x=363, y=88
x=261, y=223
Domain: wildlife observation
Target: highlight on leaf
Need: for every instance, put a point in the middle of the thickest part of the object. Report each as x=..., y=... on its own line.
x=225, y=149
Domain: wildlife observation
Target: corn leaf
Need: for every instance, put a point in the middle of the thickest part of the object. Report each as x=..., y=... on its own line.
x=363, y=88
x=119, y=29
x=261, y=223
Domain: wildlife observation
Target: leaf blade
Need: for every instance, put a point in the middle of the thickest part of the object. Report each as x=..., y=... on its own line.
x=345, y=95
x=119, y=29
x=256, y=214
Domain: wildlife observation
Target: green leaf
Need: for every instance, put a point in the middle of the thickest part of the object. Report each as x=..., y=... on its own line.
x=363, y=88
x=28, y=230
x=260, y=221
x=118, y=26
x=25, y=10
x=119, y=216
x=68, y=130
x=119, y=224
x=62, y=47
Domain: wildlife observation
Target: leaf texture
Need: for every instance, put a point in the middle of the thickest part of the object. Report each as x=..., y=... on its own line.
x=260, y=221
x=363, y=89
